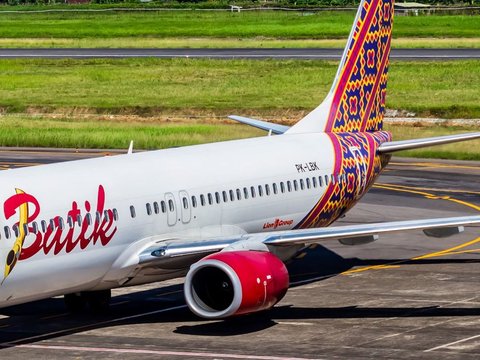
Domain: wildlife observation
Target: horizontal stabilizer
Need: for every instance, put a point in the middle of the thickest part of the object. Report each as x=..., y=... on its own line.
x=260, y=124
x=393, y=146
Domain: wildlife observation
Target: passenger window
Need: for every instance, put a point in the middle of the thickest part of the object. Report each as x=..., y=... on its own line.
x=44, y=226
x=15, y=230
x=252, y=190
x=282, y=187
x=185, y=203
x=295, y=185
x=156, y=208
x=333, y=178
x=194, y=201
x=89, y=216
x=224, y=195
x=326, y=180
x=34, y=227
x=245, y=192
x=61, y=223
x=25, y=229
x=340, y=178
x=7, y=232
x=52, y=224
x=70, y=222
x=97, y=217
x=202, y=200
x=289, y=186
x=163, y=206
x=171, y=205
x=307, y=181
x=239, y=194
x=210, y=198
x=115, y=215
x=232, y=195
x=217, y=197
x=149, y=209
x=106, y=215
x=302, y=184
x=314, y=182
x=267, y=189
x=275, y=188
x=320, y=181
x=260, y=190
x=132, y=214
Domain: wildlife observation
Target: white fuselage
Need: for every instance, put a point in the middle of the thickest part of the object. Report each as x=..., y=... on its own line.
x=77, y=254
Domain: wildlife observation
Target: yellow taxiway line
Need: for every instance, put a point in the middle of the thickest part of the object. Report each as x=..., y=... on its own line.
x=455, y=250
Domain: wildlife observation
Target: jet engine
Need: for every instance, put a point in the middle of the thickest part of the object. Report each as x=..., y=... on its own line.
x=234, y=283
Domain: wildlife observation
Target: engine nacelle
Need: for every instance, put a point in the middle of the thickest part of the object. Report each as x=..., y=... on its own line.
x=235, y=282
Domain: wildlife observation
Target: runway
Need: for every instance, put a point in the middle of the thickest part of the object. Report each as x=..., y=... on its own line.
x=306, y=54
x=404, y=296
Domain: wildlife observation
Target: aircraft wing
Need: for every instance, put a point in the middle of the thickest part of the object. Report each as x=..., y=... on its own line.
x=184, y=252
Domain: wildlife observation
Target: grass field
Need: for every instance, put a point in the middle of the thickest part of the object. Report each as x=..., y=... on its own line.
x=105, y=134
x=262, y=88
x=200, y=24
x=214, y=42
x=150, y=134
x=468, y=150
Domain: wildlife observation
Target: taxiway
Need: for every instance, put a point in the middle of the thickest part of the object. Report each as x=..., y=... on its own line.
x=404, y=296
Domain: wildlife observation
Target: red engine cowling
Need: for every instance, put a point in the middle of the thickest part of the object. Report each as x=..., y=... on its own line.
x=235, y=282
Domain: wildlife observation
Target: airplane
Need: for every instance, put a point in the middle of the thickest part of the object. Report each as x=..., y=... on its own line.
x=227, y=215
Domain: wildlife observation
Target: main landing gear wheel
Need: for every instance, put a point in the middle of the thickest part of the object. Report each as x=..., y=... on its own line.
x=75, y=302
x=98, y=301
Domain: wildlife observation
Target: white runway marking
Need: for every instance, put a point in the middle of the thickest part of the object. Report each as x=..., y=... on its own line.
x=452, y=343
x=158, y=352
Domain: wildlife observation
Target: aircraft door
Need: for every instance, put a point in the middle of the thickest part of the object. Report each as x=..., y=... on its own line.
x=185, y=206
x=361, y=166
x=171, y=209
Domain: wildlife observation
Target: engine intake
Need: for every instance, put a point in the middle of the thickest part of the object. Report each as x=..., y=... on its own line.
x=234, y=283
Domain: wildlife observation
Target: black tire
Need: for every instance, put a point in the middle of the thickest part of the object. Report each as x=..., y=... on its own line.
x=99, y=301
x=75, y=302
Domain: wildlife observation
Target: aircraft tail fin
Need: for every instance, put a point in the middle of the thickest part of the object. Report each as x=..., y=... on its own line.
x=356, y=101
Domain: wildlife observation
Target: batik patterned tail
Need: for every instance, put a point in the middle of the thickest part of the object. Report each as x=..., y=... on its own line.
x=356, y=102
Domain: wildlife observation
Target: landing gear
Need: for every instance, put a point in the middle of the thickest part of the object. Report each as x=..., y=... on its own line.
x=75, y=302
x=98, y=301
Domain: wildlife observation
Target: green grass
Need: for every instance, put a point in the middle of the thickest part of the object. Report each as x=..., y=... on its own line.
x=214, y=42
x=275, y=25
x=99, y=133
x=262, y=88
x=468, y=150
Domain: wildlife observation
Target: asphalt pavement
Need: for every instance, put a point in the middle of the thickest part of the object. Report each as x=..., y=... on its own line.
x=293, y=53
x=404, y=296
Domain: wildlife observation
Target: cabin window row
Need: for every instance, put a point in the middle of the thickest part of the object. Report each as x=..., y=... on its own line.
x=242, y=193
x=58, y=222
